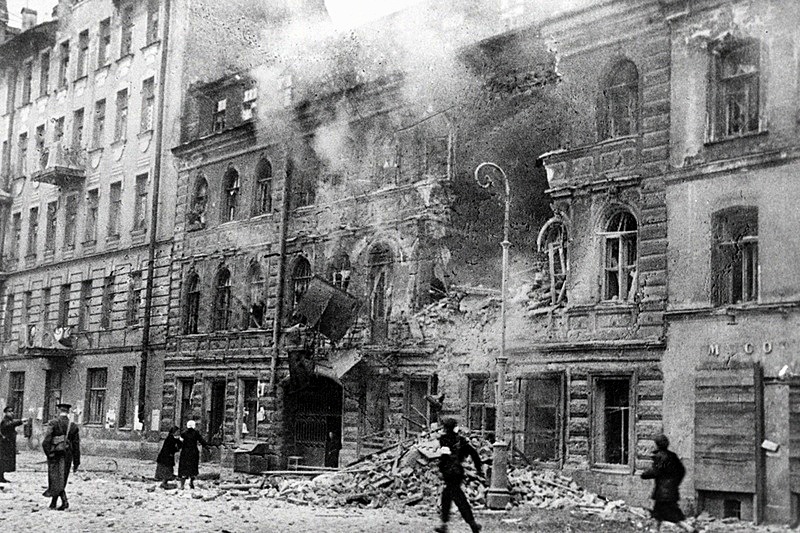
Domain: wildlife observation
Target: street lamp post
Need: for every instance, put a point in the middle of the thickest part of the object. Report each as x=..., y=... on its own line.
x=498, y=495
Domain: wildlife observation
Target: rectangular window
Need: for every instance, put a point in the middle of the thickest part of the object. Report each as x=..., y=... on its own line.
x=63, y=64
x=611, y=420
x=51, y=227
x=107, y=303
x=40, y=138
x=125, y=419
x=92, y=206
x=126, y=34
x=417, y=415
x=8, y=319
x=249, y=408
x=736, y=90
x=46, y=309
x=22, y=162
x=27, y=326
x=140, y=208
x=70, y=220
x=85, y=309
x=218, y=118
x=16, y=236
x=481, y=404
x=98, y=135
x=77, y=128
x=33, y=231
x=249, y=103
x=83, y=54
x=734, y=256
x=544, y=415
x=121, y=125
x=63, y=305
x=134, y=298
x=16, y=392
x=44, y=73
x=53, y=380
x=148, y=104
x=58, y=130
x=96, y=379
x=621, y=258
x=27, y=80
x=152, y=21
x=104, y=43
x=114, y=208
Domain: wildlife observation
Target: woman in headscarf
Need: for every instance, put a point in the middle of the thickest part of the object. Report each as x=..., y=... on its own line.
x=165, y=463
x=190, y=455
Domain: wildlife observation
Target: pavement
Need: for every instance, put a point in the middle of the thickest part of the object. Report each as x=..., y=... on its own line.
x=116, y=494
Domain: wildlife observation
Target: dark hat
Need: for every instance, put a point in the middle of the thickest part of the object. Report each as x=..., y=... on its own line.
x=661, y=441
x=449, y=424
x=64, y=406
x=8, y=409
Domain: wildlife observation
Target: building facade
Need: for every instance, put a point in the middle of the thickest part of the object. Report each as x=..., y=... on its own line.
x=86, y=256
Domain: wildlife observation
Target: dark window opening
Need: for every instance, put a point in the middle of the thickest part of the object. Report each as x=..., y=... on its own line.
x=16, y=392
x=96, y=380
x=196, y=216
x=192, y=303
x=732, y=509
x=263, y=203
x=301, y=277
x=482, y=408
x=230, y=202
x=257, y=298
x=620, y=101
x=734, y=256
x=222, y=300
x=107, y=302
x=52, y=392
x=126, y=404
x=249, y=408
x=381, y=261
x=85, y=305
x=612, y=421
x=340, y=270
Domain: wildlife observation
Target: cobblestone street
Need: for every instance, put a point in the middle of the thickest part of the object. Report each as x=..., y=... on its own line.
x=113, y=495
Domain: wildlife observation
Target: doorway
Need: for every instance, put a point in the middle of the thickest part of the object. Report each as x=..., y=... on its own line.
x=315, y=422
x=216, y=415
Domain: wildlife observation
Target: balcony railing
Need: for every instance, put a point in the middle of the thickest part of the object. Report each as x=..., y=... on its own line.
x=60, y=165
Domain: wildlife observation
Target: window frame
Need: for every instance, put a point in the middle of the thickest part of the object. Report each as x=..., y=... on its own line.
x=33, y=232
x=27, y=82
x=44, y=73
x=745, y=257
x=196, y=214
x=193, y=297
x=231, y=195
x=63, y=64
x=51, y=386
x=300, y=281
x=126, y=30
x=256, y=296
x=380, y=263
x=8, y=315
x=629, y=462
x=134, y=298
x=619, y=91
x=140, y=208
x=85, y=305
x=51, y=226
x=114, y=209
x=99, y=127
x=223, y=292
x=127, y=400
x=121, y=121
x=263, y=197
x=718, y=87
x=71, y=206
x=92, y=212
x=16, y=392
x=486, y=403
x=82, y=67
x=146, y=120
x=625, y=239
x=104, y=43
x=553, y=239
x=107, y=302
x=96, y=390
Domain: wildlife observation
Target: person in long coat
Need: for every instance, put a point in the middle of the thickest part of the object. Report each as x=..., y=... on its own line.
x=8, y=442
x=190, y=455
x=165, y=463
x=668, y=472
x=59, y=462
x=454, y=449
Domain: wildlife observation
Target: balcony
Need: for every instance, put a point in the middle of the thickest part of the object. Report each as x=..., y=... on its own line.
x=50, y=343
x=61, y=165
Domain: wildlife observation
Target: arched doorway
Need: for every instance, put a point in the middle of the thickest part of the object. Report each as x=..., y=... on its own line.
x=315, y=421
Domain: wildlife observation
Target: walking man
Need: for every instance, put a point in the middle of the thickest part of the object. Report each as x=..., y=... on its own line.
x=668, y=472
x=62, y=446
x=454, y=450
x=8, y=442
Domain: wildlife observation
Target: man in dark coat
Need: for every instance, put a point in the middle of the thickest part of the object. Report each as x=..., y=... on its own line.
x=668, y=472
x=454, y=449
x=190, y=456
x=61, y=457
x=8, y=442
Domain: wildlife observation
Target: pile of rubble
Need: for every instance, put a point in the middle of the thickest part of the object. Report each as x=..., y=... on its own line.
x=407, y=475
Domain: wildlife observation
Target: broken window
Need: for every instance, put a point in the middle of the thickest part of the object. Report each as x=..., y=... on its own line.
x=611, y=420
x=257, y=305
x=620, y=261
x=376, y=419
x=121, y=124
x=263, y=204
x=222, y=300
x=77, y=128
x=734, y=256
x=192, y=303
x=481, y=402
x=44, y=73
x=553, y=241
x=22, y=162
x=151, y=35
x=544, y=400
x=196, y=217
x=230, y=202
x=417, y=416
x=249, y=407
x=99, y=123
x=96, y=380
x=218, y=117
x=301, y=277
x=339, y=270
x=619, y=108
x=735, y=89
x=381, y=260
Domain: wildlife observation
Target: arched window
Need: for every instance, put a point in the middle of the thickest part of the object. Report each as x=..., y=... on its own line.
x=301, y=277
x=620, y=257
x=230, y=202
x=552, y=240
x=222, y=300
x=196, y=216
x=381, y=260
x=263, y=199
x=256, y=304
x=619, y=106
x=339, y=270
x=192, y=303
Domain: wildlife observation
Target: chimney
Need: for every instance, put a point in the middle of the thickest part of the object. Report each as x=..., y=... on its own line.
x=28, y=18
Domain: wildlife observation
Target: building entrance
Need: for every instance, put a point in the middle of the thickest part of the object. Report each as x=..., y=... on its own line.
x=315, y=422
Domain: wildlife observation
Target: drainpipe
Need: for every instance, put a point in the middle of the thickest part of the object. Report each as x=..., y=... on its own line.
x=151, y=246
x=276, y=324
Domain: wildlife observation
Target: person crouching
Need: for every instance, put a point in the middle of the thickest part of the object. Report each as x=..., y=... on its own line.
x=454, y=448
